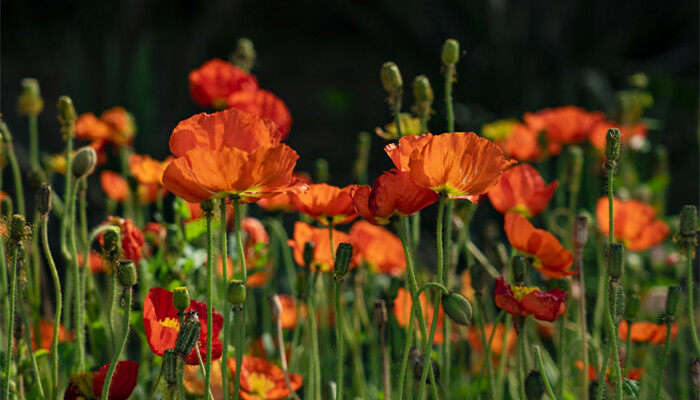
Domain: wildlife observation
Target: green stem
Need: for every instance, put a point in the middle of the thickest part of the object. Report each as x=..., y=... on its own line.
x=540, y=365
x=487, y=345
x=520, y=355
x=10, y=326
x=210, y=301
x=612, y=346
x=667, y=345
x=33, y=141
x=406, y=350
x=561, y=356
x=32, y=358
x=446, y=282
x=242, y=322
x=316, y=361
x=154, y=388
x=79, y=306
x=449, y=77
x=68, y=189
x=58, y=299
x=224, y=261
x=691, y=296
x=16, y=177
x=112, y=301
x=397, y=117
x=128, y=296
x=339, y=340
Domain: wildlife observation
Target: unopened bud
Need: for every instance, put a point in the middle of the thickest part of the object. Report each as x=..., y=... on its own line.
x=534, y=385
x=181, y=298
x=391, y=79
x=30, y=101
x=207, y=206
x=343, y=256
x=616, y=260
x=450, y=52
x=66, y=112
x=244, y=56
x=187, y=337
x=236, y=292
x=674, y=293
x=275, y=306
x=43, y=199
x=695, y=371
x=309, y=253
x=18, y=229
x=689, y=221
x=380, y=314
x=519, y=266
x=170, y=367
x=580, y=231
x=84, y=162
x=423, y=94
x=457, y=307
x=612, y=144
x=126, y=273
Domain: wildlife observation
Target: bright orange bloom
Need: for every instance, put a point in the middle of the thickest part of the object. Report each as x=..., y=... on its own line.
x=499, y=341
x=458, y=164
x=630, y=133
x=216, y=80
x=401, y=152
x=229, y=153
x=635, y=223
x=646, y=332
x=564, y=125
x=327, y=204
x=261, y=380
x=548, y=255
x=89, y=127
x=121, y=124
x=393, y=194
x=46, y=335
x=522, y=190
x=289, y=315
x=322, y=260
x=516, y=139
x=263, y=104
x=114, y=186
x=194, y=384
x=283, y=201
x=402, y=312
x=521, y=300
x=379, y=248
x=146, y=170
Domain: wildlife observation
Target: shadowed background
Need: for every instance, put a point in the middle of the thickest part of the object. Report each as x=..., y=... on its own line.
x=322, y=58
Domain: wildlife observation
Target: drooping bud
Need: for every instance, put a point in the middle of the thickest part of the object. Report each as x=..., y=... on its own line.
x=30, y=102
x=66, y=114
x=181, y=298
x=343, y=256
x=309, y=253
x=244, y=56
x=236, y=292
x=612, y=144
x=689, y=221
x=275, y=306
x=170, y=367
x=674, y=293
x=695, y=371
x=187, y=337
x=126, y=273
x=534, y=385
x=450, y=52
x=391, y=79
x=519, y=266
x=322, y=170
x=616, y=260
x=457, y=307
x=207, y=206
x=84, y=162
x=580, y=231
x=380, y=315
x=43, y=199
x=423, y=94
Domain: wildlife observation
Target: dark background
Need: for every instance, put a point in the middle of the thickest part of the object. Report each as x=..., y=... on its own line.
x=322, y=58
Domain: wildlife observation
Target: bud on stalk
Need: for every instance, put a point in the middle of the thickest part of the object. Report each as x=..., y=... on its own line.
x=343, y=256
x=457, y=307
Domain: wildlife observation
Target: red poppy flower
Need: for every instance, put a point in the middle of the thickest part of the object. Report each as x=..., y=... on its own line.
x=213, y=83
x=322, y=259
x=132, y=238
x=114, y=186
x=327, y=204
x=261, y=380
x=283, y=201
x=162, y=325
x=402, y=312
x=549, y=256
x=630, y=134
x=379, y=248
x=646, y=332
x=522, y=190
x=121, y=125
x=88, y=385
x=46, y=335
x=146, y=170
x=393, y=194
x=635, y=223
x=564, y=125
x=521, y=300
x=263, y=104
x=89, y=127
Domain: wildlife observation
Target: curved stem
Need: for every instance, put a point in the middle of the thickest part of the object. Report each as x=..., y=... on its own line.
x=10, y=326
x=128, y=294
x=58, y=297
x=77, y=298
x=449, y=77
x=406, y=350
x=210, y=300
x=540, y=366
x=244, y=278
x=396, y=108
x=68, y=189
x=227, y=314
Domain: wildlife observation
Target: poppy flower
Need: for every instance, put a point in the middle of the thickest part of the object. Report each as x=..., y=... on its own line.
x=499, y=342
x=114, y=186
x=229, y=153
x=283, y=201
x=401, y=151
x=547, y=254
x=121, y=125
x=635, y=223
x=160, y=318
x=402, y=312
x=263, y=104
x=633, y=134
x=89, y=385
x=564, y=125
x=516, y=139
x=458, y=164
x=522, y=190
x=393, y=194
x=634, y=374
x=95, y=262
x=646, y=331
x=261, y=380
x=216, y=80
x=132, y=238
x=146, y=170
x=523, y=301
x=194, y=384
x=327, y=204
x=409, y=126
x=46, y=335
x=289, y=315
x=322, y=258
x=380, y=249
x=89, y=127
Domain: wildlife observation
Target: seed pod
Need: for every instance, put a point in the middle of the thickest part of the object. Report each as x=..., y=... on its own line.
x=457, y=307
x=30, y=102
x=391, y=79
x=187, y=337
x=534, y=385
x=275, y=306
x=617, y=309
x=181, y=298
x=84, y=162
x=43, y=199
x=66, y=113
x=236, y=292
x=309, y=253
x=689, y=221
x=126, y=273
x=616, y=260
x=674, y=293
x=343, y=256
x=170, y=367
x=612, y=144
x=519, y=266
x=450, y=52
x=380, y=314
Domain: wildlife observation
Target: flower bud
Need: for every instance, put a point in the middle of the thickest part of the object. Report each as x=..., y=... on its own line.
x=450, y=52
x=18, y=229
x=391, y=79
x=674, y=293
x=30, y=101
x=612, y=144
x=275, y=306
x=380, y=315
x=423, y=94
x=695, y=371
x=181, y=298
x=689, y=221
x=519, y=266
x=616, y=260
x=457, y=307
x=112, y=247
x=187, y=337
x=43, y=199
x=534, y=385
x=236, y=292
x=126, y=273
x=66, y=113
x=309, y=253
x=6, y=208
x=343, y=256
x=580, y=231
x=170, y=367
x=207, y=206
x=244, y=56
x=84, y=162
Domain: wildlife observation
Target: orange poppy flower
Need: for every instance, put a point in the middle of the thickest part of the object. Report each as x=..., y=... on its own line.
x=289, y=315
x=635, y=223
x=630, y=134
x=521, y=300
x=522, y=190
x=194, y=384
x=46, y=335
x=160, y=318
x=114, y=186
x=132, y=238
x=146, y=170
x=89, y=127
x=393, y=194
x=402, y=312
x=467, y=288
x=458, y=164
x=213, y=83
x=547, y=254
x=261, y=380
x=229, y=153
x=516, y=139
x=400, y=152
x=564, y=125
x=121, y=124
x=499, y=342
x=327, y=204
x=322, y=259
x=646, y=332
x=263, y=104
x=379, y=248
x=89, y=385
x=283, y=201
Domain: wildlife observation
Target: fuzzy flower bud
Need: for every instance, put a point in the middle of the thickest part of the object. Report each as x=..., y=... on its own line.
x=416, y=360
x=19, y=231
x=457, y=307
x=30, y=101
x=236, y=292
x=689, y=221
x=423, y=94
x=519, y=266
x=534, y=385
x=616, y=260
x=43, y=199
x=84, y=162
x=322, y=170
x=612, y=144
x=674, y=293
x=170, y=367
x=391, y=79
x=126, y=273
x=343, y=256
x=112, y=247
x=450, y=52
x=187, y=337
x=66, y=113
x=244, y=56
x=181, y=298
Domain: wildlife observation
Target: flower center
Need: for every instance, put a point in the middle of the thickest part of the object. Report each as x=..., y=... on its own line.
x=170, y=323
x=521, y=291
x=259, y=384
